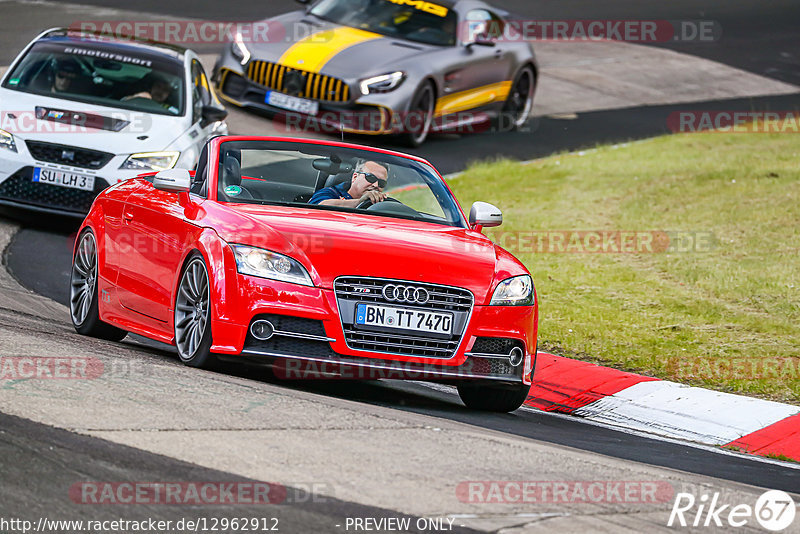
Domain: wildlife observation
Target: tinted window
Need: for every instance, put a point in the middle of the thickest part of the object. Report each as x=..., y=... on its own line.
x=119, y=77
x=420, y=21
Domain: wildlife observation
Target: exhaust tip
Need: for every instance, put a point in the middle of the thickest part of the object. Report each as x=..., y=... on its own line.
x=516, y=356
x=262, y=330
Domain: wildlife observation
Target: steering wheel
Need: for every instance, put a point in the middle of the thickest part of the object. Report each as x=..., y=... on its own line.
x=367, y=202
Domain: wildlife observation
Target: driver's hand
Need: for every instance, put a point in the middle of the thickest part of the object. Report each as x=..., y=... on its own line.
x=373, y=196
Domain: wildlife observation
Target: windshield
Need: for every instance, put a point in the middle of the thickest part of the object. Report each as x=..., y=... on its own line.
x=422, y=22
x=333, y=178
x=101, y=75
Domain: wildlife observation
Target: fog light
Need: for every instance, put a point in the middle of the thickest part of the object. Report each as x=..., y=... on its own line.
x=515, y=356
x=262, y=330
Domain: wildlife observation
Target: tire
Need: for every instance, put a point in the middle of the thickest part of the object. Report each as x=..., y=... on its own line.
x=192, y=325
x=83, y=306
x=491, y=398
x=424, y=103
x=517, y=107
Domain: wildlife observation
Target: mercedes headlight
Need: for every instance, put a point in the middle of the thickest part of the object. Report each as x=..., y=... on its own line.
x=239, y=50
x=383, y=83
x=151, y=161
x=516, y=291
x=265, y=264
x=7, y=141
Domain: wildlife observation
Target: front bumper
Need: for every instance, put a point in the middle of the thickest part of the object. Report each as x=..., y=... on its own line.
x=18, y=189
x=309, y=340
x=355, y=117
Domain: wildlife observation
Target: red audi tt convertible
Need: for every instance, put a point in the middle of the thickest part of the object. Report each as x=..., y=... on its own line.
x=302, y=254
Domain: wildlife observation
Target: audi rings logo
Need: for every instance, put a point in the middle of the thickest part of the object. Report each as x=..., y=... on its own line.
x=408, y=294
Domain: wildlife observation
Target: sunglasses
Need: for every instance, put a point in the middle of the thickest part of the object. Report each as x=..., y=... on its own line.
x=371, y=178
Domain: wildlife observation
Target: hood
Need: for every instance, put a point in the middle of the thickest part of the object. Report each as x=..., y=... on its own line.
x=334, y=244
x=341, y=51
x=104, y=129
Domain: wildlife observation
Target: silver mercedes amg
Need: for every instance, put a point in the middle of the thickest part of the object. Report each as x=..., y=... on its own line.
x=404, y=67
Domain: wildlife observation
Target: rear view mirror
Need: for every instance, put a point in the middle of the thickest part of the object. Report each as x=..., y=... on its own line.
x=486, y=215
x=173, y=180
x=332, y=165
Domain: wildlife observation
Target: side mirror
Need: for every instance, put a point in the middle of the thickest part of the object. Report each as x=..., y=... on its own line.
x=484, y=214
x=173, y=181
x=211, y=114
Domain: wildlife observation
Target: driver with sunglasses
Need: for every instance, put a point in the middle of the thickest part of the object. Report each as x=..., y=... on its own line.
x=367, y=183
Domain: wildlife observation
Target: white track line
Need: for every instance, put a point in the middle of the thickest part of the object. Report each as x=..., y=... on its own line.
x=632, y=431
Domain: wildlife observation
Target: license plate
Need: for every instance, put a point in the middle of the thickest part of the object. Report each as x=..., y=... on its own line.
x=293, y=103
x=63, y=179
x=404, y=319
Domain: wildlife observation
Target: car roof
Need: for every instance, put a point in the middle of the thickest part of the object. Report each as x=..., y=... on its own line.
x=70, y=35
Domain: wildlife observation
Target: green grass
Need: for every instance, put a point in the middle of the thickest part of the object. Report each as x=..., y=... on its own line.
x=725, y=317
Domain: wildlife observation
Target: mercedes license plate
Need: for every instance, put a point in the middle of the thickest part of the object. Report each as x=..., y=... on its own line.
x=292, y=103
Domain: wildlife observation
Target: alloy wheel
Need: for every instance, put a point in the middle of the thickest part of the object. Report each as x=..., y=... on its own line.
x=83, y=278
x=191, y=309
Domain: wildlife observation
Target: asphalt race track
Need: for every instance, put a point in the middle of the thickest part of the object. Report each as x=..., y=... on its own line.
x=170, y=423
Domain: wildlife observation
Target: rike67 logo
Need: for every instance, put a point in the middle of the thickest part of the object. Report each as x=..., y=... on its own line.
x=774, y=510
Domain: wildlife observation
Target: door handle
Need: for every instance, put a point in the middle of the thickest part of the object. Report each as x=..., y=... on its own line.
x=127, y=217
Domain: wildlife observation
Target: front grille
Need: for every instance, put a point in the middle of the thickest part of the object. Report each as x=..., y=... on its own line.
x=495, y=345
x=68, y=155
x=353, y=290
x=290, y=346
x=490, y=366
x=401, y=344
x=20, y=187
x=298, y=82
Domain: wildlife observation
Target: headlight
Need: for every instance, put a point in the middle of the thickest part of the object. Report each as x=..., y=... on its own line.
x=151, y=161
x=265, y=264
x=239, y=50
x=517, y=291
x=7, y=141
x=383, y=83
